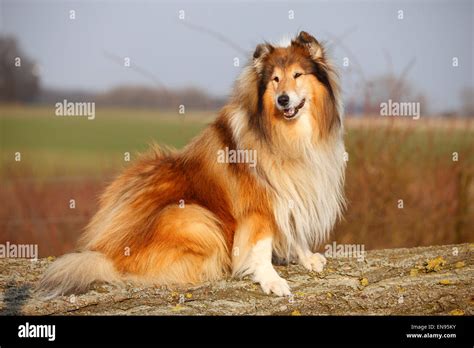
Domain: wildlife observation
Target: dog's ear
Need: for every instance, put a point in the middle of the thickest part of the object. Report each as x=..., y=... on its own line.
x=262, y=50
x=308, y=41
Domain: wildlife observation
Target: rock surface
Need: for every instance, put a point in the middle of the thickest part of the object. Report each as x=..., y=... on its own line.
x=435, y=280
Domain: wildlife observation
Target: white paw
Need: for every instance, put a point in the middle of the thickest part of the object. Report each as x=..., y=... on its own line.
x=314, y=262
x=277, y=285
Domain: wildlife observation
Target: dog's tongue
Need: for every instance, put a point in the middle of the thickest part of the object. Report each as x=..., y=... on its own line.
x=289, y=112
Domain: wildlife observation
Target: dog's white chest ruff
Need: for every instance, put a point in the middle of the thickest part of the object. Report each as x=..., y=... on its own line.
x=308, y=198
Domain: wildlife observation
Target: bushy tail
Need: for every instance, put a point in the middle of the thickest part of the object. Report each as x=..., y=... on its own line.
x=74, y=273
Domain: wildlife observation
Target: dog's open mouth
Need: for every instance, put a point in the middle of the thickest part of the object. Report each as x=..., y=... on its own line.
x=290, y=113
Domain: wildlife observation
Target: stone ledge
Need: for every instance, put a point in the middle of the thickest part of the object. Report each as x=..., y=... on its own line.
x=435, y=280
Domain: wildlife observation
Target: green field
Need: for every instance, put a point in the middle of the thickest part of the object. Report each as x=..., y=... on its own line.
x=49, y=143
x=71, y=145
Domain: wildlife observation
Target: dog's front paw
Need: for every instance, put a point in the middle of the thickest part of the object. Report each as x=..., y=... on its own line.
x=314, y=262
x=276, y=285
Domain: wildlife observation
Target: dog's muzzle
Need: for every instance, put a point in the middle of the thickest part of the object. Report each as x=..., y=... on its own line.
x=290, y=113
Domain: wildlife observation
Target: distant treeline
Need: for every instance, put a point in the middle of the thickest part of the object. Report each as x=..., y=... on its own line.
x=19, y=75
x=20, y=82
x=138, y=96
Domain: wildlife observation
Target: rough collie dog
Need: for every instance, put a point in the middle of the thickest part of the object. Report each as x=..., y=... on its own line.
x=186, y=217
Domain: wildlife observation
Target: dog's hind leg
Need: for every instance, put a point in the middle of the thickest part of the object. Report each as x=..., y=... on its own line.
x=187, y=247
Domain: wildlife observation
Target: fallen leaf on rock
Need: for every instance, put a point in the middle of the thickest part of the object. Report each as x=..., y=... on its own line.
x=460, y=264
x=457, y=312
x=446, y=282
x=177, y=308
x=434, y=265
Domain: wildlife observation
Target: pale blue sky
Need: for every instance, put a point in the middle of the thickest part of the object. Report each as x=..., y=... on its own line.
x=71, y=52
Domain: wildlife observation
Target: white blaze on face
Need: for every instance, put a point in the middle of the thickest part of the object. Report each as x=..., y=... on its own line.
x=295, y=104
x=294, y=100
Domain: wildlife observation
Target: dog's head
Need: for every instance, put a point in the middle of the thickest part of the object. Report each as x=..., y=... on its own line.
x=291, y=90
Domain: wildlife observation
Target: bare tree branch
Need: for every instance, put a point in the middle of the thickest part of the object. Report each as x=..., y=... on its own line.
x=141, y=71
x=396, y=91
x=218, y=36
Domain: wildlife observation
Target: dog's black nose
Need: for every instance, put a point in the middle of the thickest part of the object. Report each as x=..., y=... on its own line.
x=283, y=100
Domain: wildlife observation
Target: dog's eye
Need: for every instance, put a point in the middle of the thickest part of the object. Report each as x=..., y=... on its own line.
x=276, y=79
x=296, y=75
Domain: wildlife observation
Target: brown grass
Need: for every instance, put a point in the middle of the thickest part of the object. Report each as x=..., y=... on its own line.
x=391, y=161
